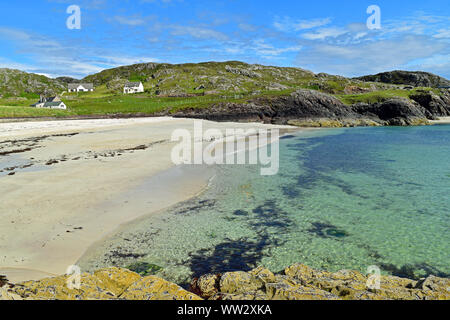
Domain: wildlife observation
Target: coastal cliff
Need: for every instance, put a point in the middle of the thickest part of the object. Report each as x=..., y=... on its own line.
x=297, y=282
x=309, y=108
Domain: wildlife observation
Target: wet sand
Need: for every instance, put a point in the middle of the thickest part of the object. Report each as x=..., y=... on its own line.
x=66, y=185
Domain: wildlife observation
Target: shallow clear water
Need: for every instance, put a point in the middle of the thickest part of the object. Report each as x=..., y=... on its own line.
x=343, y=199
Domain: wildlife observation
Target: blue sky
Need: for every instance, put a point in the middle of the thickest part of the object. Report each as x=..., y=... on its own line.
x=322, y=36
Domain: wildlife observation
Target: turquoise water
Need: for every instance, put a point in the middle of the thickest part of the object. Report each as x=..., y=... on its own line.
x=343, y=199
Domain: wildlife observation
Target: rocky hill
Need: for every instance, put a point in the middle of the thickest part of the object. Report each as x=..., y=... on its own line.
x=297, y=282
x=415, y=79
x=220, y=77
x=16, y=83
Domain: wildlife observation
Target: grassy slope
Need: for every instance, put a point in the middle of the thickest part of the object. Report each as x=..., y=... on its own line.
x=242, y=83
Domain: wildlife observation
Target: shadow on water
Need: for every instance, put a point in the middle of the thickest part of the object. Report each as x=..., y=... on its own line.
x=326, y=230
x=231, y=255
x=320, y=158
x=268, y=221
x=413, y=271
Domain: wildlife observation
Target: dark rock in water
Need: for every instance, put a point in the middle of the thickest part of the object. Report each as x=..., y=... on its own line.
x=3, y=281
x=144, y=268
x=326, y=230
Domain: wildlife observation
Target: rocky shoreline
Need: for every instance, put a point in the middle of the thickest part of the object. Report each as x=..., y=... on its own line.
x=309, y=108
x=297, y=282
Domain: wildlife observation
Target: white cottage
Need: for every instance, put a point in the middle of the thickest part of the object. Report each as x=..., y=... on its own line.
x=50, y=103
x=80, y=87
x=133, y=87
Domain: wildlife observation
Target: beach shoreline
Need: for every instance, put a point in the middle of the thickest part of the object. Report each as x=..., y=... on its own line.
x=74, y=182
x=441, y=120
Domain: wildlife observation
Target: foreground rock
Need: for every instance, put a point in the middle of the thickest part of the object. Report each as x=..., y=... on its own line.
x=300, y=282
x=297, y=282
x=309, y=108
x=105, y=284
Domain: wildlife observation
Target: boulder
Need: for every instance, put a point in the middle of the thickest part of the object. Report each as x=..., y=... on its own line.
x=154, y=288
x=206, y=286
x=240, y=282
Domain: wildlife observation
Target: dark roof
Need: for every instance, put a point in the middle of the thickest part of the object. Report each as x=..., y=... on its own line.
x=132, y=84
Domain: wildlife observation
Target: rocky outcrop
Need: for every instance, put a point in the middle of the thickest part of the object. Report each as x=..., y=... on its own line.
x=437, y=105
x=395, y=112
x=309, y=108
x=14, y=83
x=415, y=79
x=104, y=284
x=297, y=282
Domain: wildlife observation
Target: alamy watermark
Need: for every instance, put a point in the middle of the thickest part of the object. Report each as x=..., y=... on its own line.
x=74, y=281
x=374, y=278
x=374, y=21
x=74, y=20
x=236, y=146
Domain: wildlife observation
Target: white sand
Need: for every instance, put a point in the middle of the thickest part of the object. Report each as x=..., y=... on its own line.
x=442, y=120
x=43, y=208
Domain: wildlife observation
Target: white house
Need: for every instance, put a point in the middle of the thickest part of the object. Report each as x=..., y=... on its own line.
x=51, y=103
x=80, y=87
x=133, y=87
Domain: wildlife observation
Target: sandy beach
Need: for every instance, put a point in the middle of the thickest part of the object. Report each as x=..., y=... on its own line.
x=443, y=120
x=65, y=185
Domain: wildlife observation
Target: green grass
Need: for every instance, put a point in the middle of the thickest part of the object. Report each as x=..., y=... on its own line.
x=25, y=112
x=93, y=104
x=104, y=102
x=380, y=96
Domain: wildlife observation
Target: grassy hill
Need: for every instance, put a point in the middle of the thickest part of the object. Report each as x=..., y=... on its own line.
x=217, y=77
x=16, y=83
x=174, y=87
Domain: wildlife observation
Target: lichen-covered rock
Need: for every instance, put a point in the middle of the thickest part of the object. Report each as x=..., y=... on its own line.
x=297, y=282
x=154, y=288
x=104, y=284
x=116, y=280
x=264, y=274
x=206, y=286
x=284, y=291
x=352, y=285
x=250, y=296
x=435, y=288
x=240, y=282
x=8, y=294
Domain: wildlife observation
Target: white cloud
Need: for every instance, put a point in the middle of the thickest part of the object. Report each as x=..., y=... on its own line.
x=130, y=21
x=287, y=24
x=198, y=32
x=266, y=49
x=247, y=27
x=324, y=33
x=369, y=57
x=442, y=33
